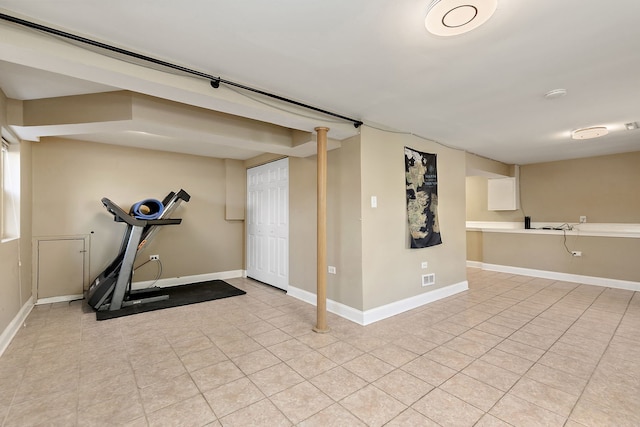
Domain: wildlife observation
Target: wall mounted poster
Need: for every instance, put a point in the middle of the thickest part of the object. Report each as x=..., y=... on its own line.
x=422, y=198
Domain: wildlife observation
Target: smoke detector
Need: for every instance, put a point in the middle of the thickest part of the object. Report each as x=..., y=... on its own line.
x=589, y=133
x=454, y=17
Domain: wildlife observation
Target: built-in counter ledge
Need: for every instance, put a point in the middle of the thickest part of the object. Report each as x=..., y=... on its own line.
x=585, y=229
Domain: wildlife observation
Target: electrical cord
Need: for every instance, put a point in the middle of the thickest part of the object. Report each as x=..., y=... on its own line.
x=143, y=264
x=158, y=274
x=271, y=105
x=399, y=132
x=564, y=234
x=568, y=227
x=564, y=228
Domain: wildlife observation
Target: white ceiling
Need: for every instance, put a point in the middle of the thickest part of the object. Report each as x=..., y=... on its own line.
x=371, y=60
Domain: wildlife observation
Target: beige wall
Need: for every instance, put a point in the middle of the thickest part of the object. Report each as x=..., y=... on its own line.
x=10, y=286
x=474, y=246
x=477, y=208
x=344, y=248
x=15, y=280
x=26, y=233
x=477, y=165
x=369, y=247
x=607, y=257
x=344, y=225
x=97, y=107
x=391, y=270
x=478, y=170
x=235, y=180
x=71, y=177
x=302, y=223
x=604, y=188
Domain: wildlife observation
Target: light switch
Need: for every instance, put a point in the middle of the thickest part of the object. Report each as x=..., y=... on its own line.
x=374, y=202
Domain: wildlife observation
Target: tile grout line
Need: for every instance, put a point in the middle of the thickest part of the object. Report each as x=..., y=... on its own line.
x=603, y=353
x=545, y=352
x=517, y=330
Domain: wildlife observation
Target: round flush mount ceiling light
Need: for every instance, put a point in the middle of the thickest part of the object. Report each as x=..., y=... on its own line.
x=589, y=133
x=555, y=93
x=453, y=17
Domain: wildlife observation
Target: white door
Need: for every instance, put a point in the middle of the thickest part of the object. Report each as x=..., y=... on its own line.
x=60, y=268
x=268, y=223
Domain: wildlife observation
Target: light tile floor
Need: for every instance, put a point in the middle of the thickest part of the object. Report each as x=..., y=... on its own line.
x=513, y=350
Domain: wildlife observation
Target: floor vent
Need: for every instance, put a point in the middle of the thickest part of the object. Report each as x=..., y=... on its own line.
x=428, y=279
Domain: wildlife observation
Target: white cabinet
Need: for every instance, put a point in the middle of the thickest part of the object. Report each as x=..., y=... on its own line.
x=502, y=194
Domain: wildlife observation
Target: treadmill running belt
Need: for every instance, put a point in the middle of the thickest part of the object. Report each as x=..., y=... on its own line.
x=178, y=295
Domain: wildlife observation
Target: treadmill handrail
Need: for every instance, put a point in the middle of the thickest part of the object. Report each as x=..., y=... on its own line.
x=121, y=216
x=170, y=221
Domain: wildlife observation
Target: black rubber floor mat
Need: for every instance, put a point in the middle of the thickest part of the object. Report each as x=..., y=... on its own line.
x=178, y=295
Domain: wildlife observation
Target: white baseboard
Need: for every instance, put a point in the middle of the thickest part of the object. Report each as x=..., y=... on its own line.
x=565, y=277
x=382, y=312
x=474, y=264
x=162, y=283
x=397, y=307
x=54, y=300
x=12, y=329
x=185, y=280
x=334, y=307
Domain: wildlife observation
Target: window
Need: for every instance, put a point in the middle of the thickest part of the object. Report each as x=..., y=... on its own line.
x=10, y=197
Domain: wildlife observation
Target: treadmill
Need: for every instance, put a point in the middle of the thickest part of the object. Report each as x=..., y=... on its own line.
x=111, y=290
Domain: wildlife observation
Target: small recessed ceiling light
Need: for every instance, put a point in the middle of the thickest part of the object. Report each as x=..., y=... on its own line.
x=453, y=17
x=555, y=93
x=589, y=133
x=631, y=126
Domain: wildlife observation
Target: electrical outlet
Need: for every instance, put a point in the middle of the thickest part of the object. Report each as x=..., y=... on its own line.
x=425, y=264
x=576, y=253
x=583, y=219
x=154, y=257
x=332, y=269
